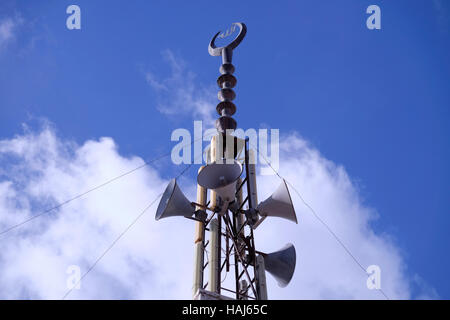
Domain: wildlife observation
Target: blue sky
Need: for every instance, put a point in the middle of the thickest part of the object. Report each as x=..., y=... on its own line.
x=373, y=101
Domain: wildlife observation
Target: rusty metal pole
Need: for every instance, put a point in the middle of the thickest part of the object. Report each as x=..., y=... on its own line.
x=199, y=242
x=214, y=249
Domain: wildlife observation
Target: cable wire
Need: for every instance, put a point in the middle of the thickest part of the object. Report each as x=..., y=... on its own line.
x=319, y=219
x=90, y=190
x=120, y=236
x=111, y=246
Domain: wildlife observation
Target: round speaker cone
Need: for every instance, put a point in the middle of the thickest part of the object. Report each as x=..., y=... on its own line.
x=218, y=175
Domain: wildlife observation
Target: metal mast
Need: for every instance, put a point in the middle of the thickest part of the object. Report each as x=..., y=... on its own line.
x=232, y=212
x=227, y=231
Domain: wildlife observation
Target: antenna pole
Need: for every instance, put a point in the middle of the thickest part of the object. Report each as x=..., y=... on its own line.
x=249, y=271
x=199, y=241
x=233, y=212
x=261, y=285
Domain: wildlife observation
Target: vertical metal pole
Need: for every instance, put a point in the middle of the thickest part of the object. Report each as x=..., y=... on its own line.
x=215, y=232
x=239, y=216
x=253, y=193
x=261, y=285
x=199, y=242
x=243, y=288
x=214, y=263
x=238, y=221
x=253, y=199
x=219, y=253
x=250, y=167
x=250, y=170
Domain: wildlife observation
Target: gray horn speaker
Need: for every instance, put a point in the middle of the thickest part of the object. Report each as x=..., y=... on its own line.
x=279, y=204
x=281, y=264
x=221, y=177
x=174, y=203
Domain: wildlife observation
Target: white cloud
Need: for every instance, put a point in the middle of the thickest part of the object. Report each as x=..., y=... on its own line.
x=41, y=170
x=180, y=93
x=324, y=269
x=8, y=28
x=154, y=259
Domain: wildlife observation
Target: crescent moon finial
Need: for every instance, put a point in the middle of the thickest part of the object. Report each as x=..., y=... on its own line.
x=217, y=51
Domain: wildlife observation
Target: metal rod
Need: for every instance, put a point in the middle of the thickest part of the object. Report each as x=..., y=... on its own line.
x=209, y=220
x=243, y=225
x=240, y=186
x=227, y=248
x=242, y=204
x=199, y=241
x=214, y=254
x=204, y=206
x=195, y=219
x=250, y=204
x=219, y=249
x=240, y=275
x=236, y=265
x=244, y=295
x=223, y=265
x=242, y=260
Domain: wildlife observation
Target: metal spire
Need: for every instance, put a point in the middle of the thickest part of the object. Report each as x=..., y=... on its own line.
x=226, y=81
x=230, y=226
